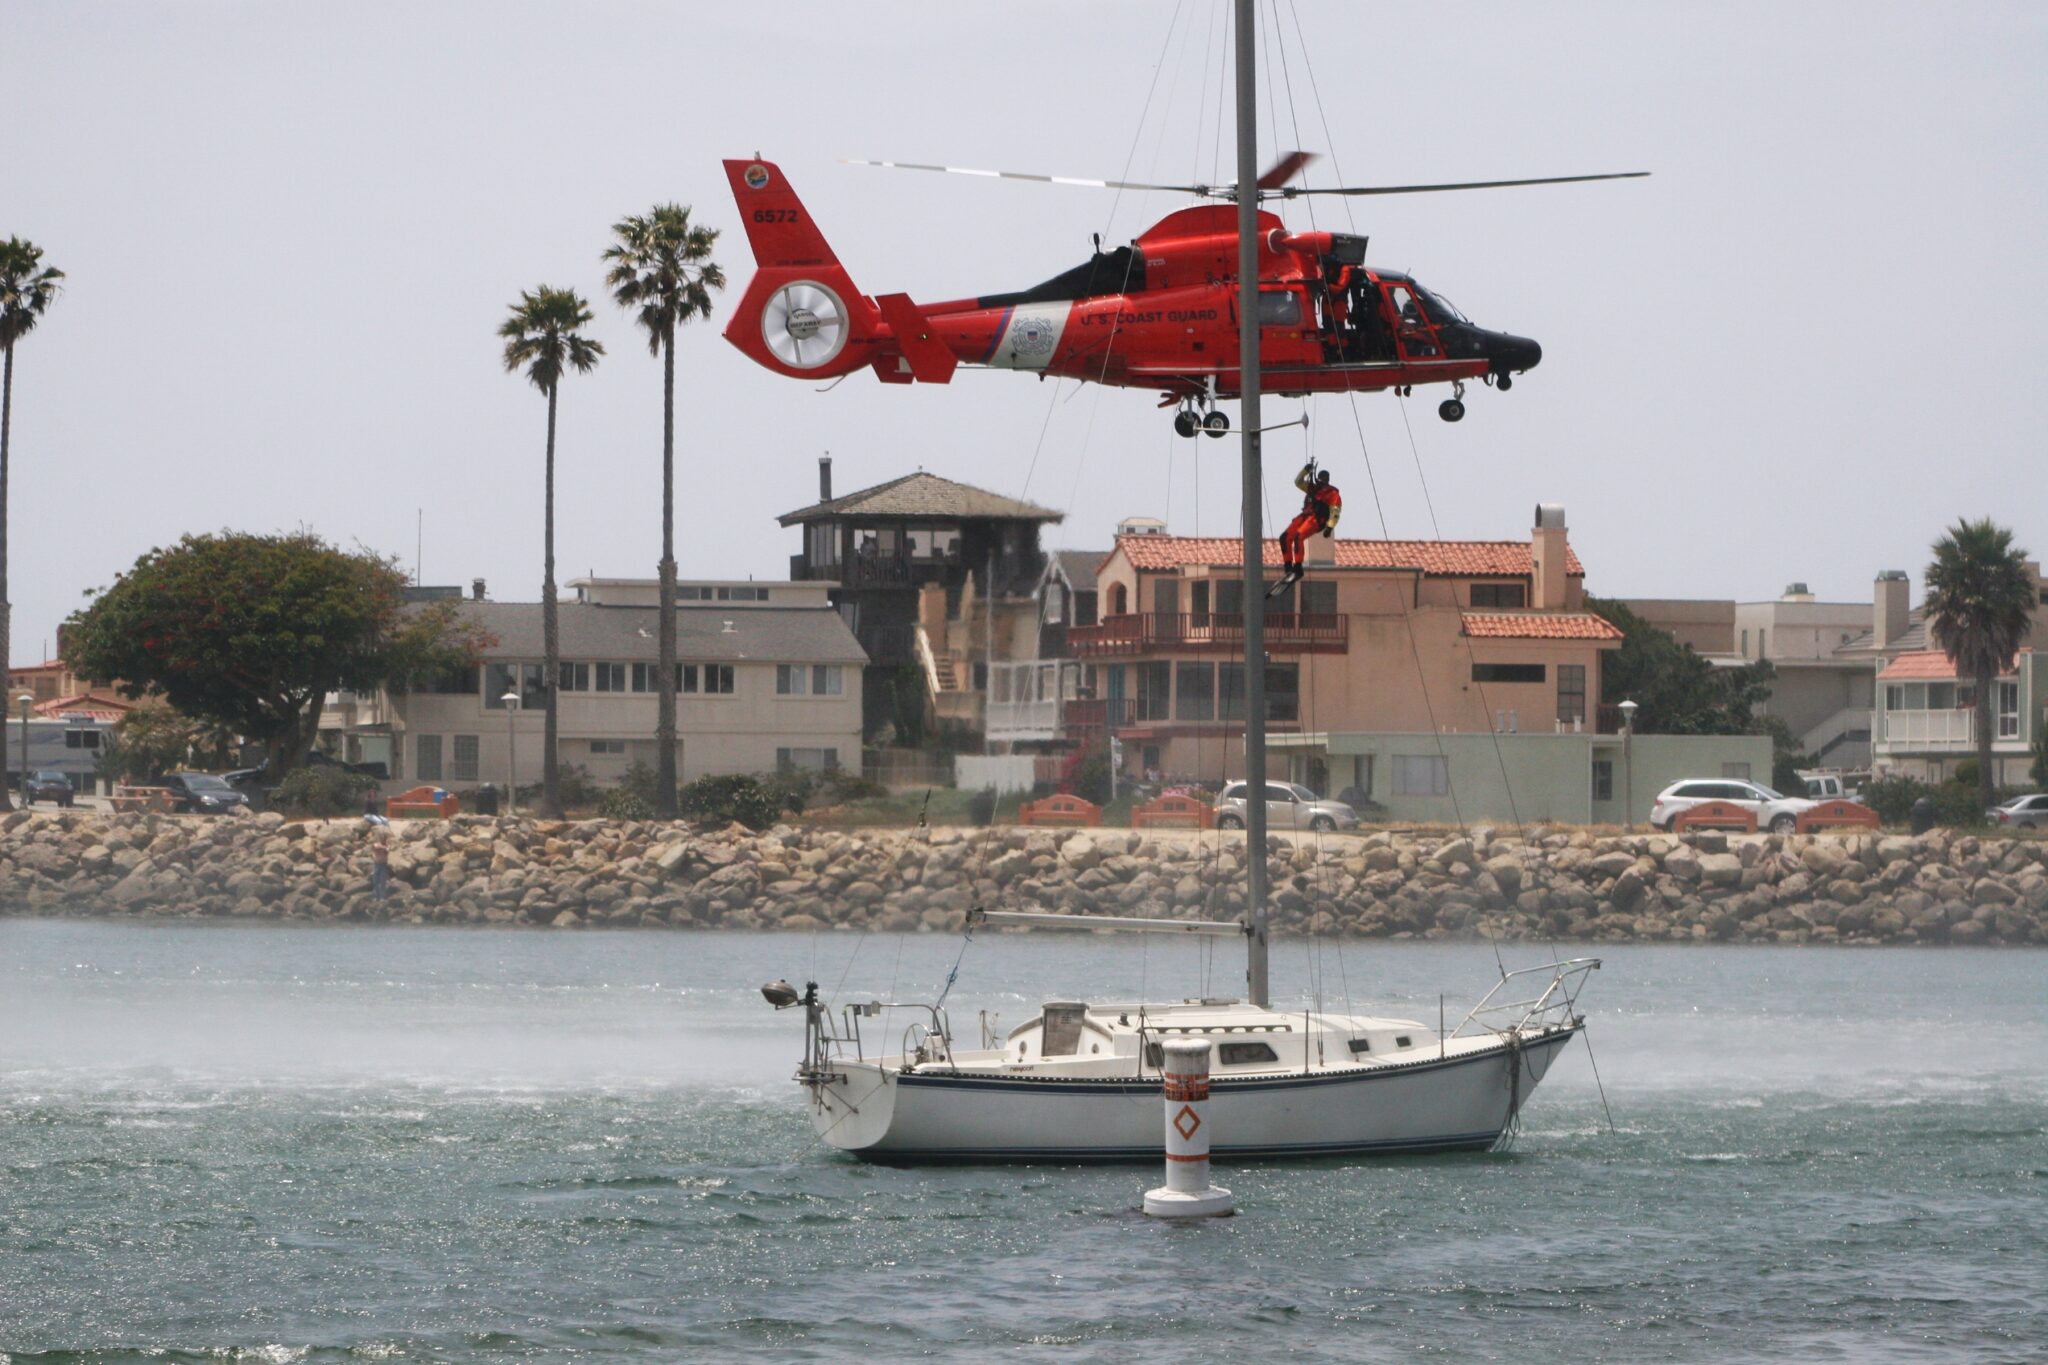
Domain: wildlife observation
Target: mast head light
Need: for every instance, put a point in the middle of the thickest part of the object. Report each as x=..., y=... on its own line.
x=781, y=994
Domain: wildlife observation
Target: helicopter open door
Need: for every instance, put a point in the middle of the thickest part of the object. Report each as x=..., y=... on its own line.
x=1413, y=328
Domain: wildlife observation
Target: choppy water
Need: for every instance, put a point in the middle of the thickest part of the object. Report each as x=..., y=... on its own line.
x=326, y=1143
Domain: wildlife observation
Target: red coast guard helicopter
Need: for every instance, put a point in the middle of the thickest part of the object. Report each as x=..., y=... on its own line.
x=1159, y=314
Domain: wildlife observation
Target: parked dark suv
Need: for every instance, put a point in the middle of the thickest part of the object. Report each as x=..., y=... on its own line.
x=48, y=786
x=202, y=793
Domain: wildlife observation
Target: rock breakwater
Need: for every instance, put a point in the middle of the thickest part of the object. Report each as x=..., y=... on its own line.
x=1542, y=883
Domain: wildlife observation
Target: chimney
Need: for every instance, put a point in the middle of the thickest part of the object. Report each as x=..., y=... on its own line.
x=1892, y=608
x=824, y=478
x=476, y=590
x=1547, y=558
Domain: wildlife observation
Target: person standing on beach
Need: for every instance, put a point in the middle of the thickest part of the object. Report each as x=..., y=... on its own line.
x=380, y=865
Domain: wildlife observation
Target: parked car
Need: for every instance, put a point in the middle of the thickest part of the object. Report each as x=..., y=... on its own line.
x=2022, y=812
x=1287, y=807
x=319, y=758
x=201, y=793
x=1829, y=787
x=1774, y=810
x=47, y=786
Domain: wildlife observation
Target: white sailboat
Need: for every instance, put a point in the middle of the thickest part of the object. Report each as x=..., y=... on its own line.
x=1081, y=1081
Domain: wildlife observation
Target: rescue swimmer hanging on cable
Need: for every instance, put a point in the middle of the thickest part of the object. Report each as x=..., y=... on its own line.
x=1321, y=505
x=1161, y=313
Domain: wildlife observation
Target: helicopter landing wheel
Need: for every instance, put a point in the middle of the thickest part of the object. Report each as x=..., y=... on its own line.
x=1185, y=423
x=1217, y=424
x=1504, y=382
x=1451, y=410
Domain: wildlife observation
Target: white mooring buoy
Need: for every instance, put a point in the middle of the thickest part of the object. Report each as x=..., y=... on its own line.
x=1187, y=1192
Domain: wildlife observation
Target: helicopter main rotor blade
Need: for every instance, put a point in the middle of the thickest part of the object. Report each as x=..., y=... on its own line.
x=1082, y=181
x=1460, y=185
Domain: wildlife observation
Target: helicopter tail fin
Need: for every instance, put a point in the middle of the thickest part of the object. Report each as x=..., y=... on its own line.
x=802, y=314
x=779, y=227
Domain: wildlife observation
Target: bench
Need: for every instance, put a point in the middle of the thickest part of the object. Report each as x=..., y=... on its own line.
x=1715, y=815
x=1838, y=814
x=430, y=802
x=1174, y=812
x=1061, y=809
x=143, y=800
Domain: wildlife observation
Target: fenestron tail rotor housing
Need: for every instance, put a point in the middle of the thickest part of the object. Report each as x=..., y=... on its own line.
x=804, y=324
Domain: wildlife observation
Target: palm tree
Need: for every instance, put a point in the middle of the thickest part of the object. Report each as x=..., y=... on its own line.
x=662, y=267
x=1980, y=603
x=541, y=335
x=27, y=288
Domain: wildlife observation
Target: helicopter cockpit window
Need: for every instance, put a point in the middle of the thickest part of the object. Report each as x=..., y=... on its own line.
x=1279, y=308
x=1411, y=322
x=1441, y=308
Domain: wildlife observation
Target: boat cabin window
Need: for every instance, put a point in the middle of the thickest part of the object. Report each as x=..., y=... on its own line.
x=1155, y=1055
x=1245, y=1054
x=1359, y=1045
x=1062, y=1030
x=1403, y=1040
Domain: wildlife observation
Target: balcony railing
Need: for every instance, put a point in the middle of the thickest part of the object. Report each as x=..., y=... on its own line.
x=1930, y=729
x=1206, y=632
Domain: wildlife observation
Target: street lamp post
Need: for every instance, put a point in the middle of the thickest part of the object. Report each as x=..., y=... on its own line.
x=511, y=700
x=28, y=701
x=1628, y=763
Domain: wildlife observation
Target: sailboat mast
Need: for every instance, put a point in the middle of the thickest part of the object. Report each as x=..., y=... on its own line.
x=1254, y=491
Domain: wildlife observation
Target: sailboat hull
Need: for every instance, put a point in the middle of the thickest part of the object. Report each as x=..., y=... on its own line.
x=1461, y=1102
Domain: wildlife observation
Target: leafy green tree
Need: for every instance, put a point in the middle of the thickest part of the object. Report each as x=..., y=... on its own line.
x=252, y=632
x=1678, y=690
x=541, y=337
x=661, y=267
x=1980, y=603
x=27, y=289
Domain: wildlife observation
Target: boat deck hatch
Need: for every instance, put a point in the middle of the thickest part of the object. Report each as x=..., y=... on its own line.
x=1062, y=1030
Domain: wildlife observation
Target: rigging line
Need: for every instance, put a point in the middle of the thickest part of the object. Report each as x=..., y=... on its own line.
x=966, y=938
x=1138, y=133
x=1202, y=104
x=1322, y=113
x=1222, y=99
x=1173, y=91
x=1587, y=1034
x=1287, y=79
x=1471, y=658
x=1407, y=619
x=1039, y=447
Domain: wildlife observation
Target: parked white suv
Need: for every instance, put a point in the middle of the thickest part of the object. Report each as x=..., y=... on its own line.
x=1287, y=807
x=1774, y=810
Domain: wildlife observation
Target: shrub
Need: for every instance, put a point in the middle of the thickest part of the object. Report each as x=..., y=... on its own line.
x=623, y=803
x=745, y=799
x=323, y=791
x=1893, y=797
x=1965, y=774
x=1091, y=778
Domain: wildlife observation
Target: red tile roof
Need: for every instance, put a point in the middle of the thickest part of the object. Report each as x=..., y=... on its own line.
x=97, y=705
x=1539, y=626
x=1435, y=558
x=1926, y=665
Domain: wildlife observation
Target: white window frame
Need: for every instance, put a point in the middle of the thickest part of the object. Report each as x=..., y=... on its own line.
x=2008, y=715
x=1422, y=775
x=462, y=769
x=422, y=746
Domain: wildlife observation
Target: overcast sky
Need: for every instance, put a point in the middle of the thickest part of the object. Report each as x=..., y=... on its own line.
x=291, y=231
